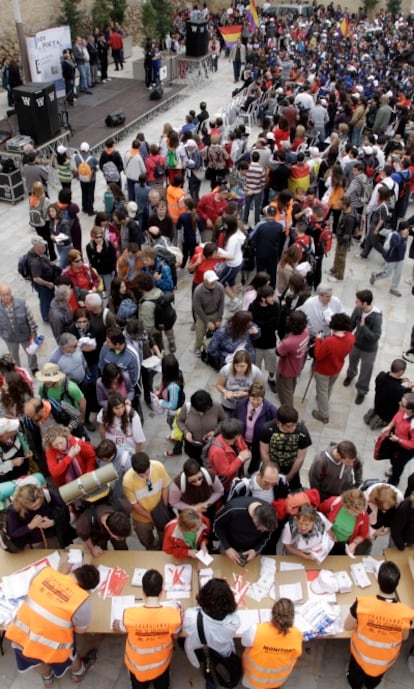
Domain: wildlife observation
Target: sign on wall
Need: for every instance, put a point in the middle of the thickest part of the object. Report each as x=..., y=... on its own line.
x=45, y=55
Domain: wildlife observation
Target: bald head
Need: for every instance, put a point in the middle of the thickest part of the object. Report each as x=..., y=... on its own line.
x=267, y=476
x=6, y=296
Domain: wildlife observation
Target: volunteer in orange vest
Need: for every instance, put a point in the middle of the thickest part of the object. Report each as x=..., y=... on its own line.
x=43, y=632
x=175, y=197
x=379, y=625
x=151, y=630
x=272, y=648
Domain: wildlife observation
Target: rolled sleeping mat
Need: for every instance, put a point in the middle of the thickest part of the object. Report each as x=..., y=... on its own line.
x=91, y=486
x=8, y=487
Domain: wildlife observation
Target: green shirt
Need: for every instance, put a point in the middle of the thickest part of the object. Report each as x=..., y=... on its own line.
x=55, y=393
x=344, y=525
x=190, y=539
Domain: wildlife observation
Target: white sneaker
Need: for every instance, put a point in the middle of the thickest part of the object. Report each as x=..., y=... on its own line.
x=332, y=278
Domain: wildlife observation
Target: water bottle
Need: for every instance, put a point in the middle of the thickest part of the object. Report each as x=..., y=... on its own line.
x=34, y=346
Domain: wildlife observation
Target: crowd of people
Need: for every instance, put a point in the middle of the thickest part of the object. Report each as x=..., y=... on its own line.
x=332, y=166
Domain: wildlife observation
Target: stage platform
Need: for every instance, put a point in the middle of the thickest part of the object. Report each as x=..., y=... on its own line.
x=87, y=117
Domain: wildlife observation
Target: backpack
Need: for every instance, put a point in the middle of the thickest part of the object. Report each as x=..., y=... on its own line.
x=164, y=314
x=306, y=248
x=6, y=542
x=159, y=171
x=127, y=309
x=84, y=170
x=171, y=159
x=111, y=172
x=393, y=197
x=366, y=190
x=170, y=259
x=64, y=414
x=23, y=267
x=36, y=218
x=325, y=240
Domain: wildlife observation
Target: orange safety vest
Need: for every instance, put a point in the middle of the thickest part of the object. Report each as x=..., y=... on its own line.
x=271, y=659
x=377, y=639
x=149, y=645
x=174, y=194
x=43, y=625
x=288, y=215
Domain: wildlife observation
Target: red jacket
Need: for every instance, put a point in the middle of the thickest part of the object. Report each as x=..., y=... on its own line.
x=210, y=208
x=404, y=430
x=331, y=353
x=59, y=462
x=115, y=41
x=331, y=506
x=223, y=458
x=174, y=543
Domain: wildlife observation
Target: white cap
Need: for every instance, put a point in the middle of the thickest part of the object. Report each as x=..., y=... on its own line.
x=8, y=425
x=325, y=582
x=191, y=143
x=210, y=276
x=61, y=149
x=368, y=150
x=132, y=209
x=84, y=146
x=270, y=136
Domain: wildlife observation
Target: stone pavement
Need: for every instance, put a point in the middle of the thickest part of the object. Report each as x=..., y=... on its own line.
x=323, y=662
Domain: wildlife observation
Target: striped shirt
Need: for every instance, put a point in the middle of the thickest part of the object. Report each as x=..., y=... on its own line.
x=254, y=179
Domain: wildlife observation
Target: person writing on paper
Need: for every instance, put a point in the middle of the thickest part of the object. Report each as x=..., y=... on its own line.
x=350, y=523
x=98, y=524
x=217, y=607
x=243, y=527
x=271, y=648
x=151, y=630
x=45, y=641
x=186, y=534
x=379, y=625
x=308, y=534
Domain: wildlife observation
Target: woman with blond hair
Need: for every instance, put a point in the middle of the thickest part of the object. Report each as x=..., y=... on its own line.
x=32, y=517
x=38, y=216
x=271, y=648
x=350, y=522
x=382, y=502
x=67, y=457
x=186, y=534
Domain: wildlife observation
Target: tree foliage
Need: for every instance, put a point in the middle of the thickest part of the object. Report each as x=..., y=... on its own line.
x=156, y=19
x=148, y=18
x=370, y=5
x=394, y=7
x=71, y=15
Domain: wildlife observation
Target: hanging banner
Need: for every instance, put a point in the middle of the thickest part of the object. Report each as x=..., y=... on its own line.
x=45, y=55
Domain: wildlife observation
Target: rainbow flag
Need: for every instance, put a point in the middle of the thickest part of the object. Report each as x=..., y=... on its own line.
x=344, y=26
x=251, y=15
x=231, y=34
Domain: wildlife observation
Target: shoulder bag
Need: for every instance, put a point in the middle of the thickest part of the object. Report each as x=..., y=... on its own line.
x=225, y=671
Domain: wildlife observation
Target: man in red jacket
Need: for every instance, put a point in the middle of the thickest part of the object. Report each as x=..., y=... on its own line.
x=330, y=355
x=212, y=205
x=117, y=44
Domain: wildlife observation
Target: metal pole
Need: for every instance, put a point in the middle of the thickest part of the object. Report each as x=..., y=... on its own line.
x=22, y=40
x=307, y=387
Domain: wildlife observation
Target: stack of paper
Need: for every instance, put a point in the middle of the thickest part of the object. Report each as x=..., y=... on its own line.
x=291, y=591
x=247, y=619
x=17, y=585
x=177, y=580
x=118, y=605
x=8, y=609
x=344, y=581
x=314, y=618
x=324, y=549
x=137, y=576
x=359, y=575
x=371, y=565
x=205, y=575
x=262, y=587
x=75, y=557
x=290, y=566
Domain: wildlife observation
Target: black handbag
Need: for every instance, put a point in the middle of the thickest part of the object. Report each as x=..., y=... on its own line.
x=161, y=515
x=225, y=671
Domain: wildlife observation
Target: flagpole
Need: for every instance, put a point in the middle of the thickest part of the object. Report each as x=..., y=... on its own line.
x=22, y=40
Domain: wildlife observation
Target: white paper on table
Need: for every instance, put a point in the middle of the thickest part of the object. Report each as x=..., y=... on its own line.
x=177, y=595
x=371, y=565
x=344, y=581
x=265, y=614
x=137, y=576
x=291, y=591
x=247, y=619
x=204, y=557
x=266, y=563
x=290, y=566
x=177, y=578
x=152, y=362
x=272, y=592
x=359, y=575
x=17, y=585
x=118, y=605
x=75, y=557
x=327, y=597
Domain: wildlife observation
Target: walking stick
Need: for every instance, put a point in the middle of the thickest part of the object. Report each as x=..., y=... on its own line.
x=307, y=386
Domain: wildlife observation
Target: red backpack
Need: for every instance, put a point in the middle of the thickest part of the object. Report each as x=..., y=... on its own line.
x=325, y=240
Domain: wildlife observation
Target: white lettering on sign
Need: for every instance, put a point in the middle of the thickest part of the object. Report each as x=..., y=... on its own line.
x=25, y=100
x=40, y=102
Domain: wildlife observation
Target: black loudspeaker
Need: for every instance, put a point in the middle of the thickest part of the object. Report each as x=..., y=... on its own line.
x=115, y=119
x=37, y=111
x=157, y=92
x=196, y=43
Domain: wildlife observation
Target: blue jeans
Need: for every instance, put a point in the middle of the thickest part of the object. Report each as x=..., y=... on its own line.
x=45, y=297
x=83, y=77
x=62, y=252
x=257, y=199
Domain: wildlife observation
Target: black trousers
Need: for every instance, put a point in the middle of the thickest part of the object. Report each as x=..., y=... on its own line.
x=357, y=678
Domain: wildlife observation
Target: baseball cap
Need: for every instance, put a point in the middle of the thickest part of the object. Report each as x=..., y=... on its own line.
x=325, y=582
x=132, y=209
x=61, y=149
x=84, y=146
x=38, y=241
x=210, y=276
